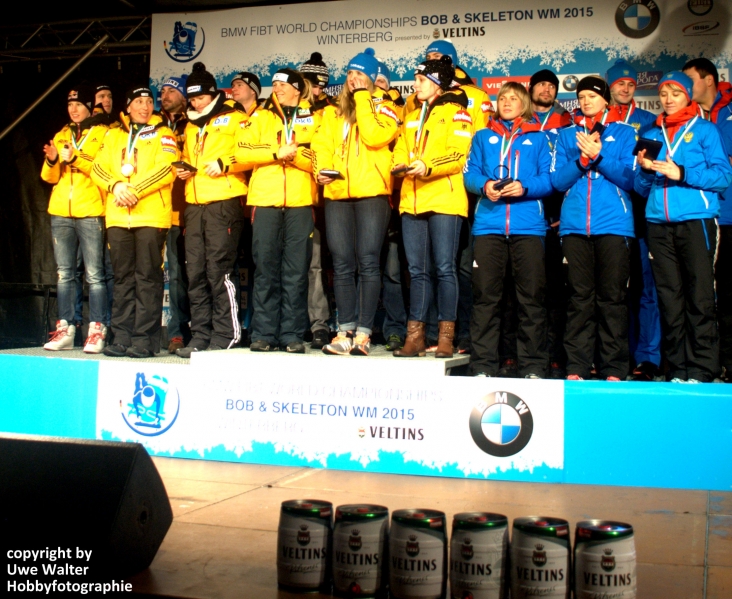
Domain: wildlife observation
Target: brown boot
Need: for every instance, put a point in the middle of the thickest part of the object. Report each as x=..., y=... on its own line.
x=414, y=344
x=444, y=339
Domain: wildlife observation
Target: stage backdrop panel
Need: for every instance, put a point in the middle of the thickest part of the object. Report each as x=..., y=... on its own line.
x=496, y=41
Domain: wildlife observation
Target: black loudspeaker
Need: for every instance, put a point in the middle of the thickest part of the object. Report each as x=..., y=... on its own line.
x=24, y=315
x=102, y=496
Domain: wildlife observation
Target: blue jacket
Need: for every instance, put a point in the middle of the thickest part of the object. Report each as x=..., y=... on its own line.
x=596, y=201
x=707, y=173
x=529, y=158
x=724, y=124
x=641, y=120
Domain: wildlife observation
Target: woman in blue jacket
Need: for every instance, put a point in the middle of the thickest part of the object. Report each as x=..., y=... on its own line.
x=683, y=186
x=509, y=232
x=594, y=165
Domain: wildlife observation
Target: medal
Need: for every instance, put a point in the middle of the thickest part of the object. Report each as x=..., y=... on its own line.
x=128, y=169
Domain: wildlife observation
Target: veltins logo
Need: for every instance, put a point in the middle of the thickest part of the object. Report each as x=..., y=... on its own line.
x=637, y=18
x=501, y=424
x=154, y=407
x=182, y=48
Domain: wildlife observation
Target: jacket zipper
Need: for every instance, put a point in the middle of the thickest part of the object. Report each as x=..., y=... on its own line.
x=589, y=201
x=665, y=199
x=348, y=161
x=515, y=176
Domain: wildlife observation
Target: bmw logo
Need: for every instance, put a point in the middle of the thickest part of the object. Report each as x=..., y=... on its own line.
x=638, y=19
x=569, y=83
x=501, y=424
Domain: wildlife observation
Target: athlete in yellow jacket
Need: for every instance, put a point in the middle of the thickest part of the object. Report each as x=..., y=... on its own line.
x=134, y=168
x=77, y=219
x=433, y=145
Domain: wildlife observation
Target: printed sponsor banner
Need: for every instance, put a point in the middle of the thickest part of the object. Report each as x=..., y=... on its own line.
x=450, y=426
x=509, y=38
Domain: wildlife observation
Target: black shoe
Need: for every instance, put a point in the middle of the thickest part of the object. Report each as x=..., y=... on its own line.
x=509, y=369
x=295, y=347
x=262, y=345
x=556, y=372
x=394, y=342
x=645, y=372
x=321, y=338
x=463, y=346
x=195, y=345
x=139, y=352
x=726, y=376
x=115, y=350
x=215, y=347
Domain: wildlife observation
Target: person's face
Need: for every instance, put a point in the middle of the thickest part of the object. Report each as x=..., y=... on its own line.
x=672, y=99
x=78, y=112
x=317, y=90
x=382, y=83
x=242, y=93
x=701, y=84
x=198, y=103
x=425, y=88
x=104, y=97
x=140, y=109
x=509, y=106
x=286, y=94
x=544, y=93
x=433, y=55
x=622, y=91
x=172, y=100
x=356, y=80
x=591, y=103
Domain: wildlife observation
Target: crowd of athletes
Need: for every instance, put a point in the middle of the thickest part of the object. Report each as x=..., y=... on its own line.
x=542, y=242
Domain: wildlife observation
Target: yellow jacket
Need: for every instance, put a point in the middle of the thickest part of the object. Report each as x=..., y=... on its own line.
x=443, y=147
x=178, y=190
x=276, y=182
x=155, y=150
x=74, y=193
x=360, y=152
x=214, y=140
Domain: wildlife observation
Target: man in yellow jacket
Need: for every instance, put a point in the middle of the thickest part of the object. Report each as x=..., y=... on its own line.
x=133, y=167
x=77, y=220
x=215, y=193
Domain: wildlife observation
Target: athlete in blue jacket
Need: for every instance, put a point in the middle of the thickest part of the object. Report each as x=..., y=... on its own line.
x=596, y=170
x=683, y=186
x=509, y=229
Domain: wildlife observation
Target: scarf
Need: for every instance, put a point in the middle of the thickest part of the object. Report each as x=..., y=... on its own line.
x=675, y=121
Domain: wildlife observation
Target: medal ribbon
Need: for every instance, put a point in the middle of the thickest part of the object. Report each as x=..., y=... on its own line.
x=672, y=148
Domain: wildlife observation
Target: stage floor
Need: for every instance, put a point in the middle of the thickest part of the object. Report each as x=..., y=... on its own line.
x=223, y=538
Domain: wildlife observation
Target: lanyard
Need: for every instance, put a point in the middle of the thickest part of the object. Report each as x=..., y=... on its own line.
x=78, y=146
x=545, y=119
x=132, y=141
x=602, y=121
x=630, y=111
x=201, y=138
x=506, y=145
x=672, y=149
x=289, y=130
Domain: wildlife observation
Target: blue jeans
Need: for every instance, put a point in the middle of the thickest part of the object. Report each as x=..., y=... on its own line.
x=392, y=295
x=70, y=234
x=356, y=231
x=180, y=312
x=432, y=238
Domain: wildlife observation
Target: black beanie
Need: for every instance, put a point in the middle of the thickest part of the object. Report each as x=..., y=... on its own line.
x=541, y=76
x=138, y=92
x=83, y=93
x=251, y=80
x=595, y=84
x=290, y=76
x=315, y=70
x=200, y=82
x=440, y=71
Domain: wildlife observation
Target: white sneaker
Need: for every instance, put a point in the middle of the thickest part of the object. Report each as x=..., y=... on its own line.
x=62, y=338
x=95, y=339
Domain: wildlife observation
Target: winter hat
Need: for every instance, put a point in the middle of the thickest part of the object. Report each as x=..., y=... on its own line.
x=315, y=70
x=441, y=71
x=138, y=92
x=443, y=47
x=680, y=79
x=595, y=84
x=250, y=79
x=177, y=83
x=621, y=71
x=290, y=76
x=200, y=82
x=383, y=71
x=541, y=76
x=83, y=93
x=366, y=63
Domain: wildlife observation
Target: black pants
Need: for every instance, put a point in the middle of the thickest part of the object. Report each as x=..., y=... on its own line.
x=723, y=275
x=211, y=239
x=281, y=248
x=556, y=297
x=524, y=255
x=683, y=266
x=598, y=271
x=137, y=261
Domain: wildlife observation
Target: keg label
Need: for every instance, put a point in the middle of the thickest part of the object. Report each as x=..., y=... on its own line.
x=477, y=563
x=302, y=553
x=357, y=556
x=540, y=567
x=417, y=562
x=605, y=569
